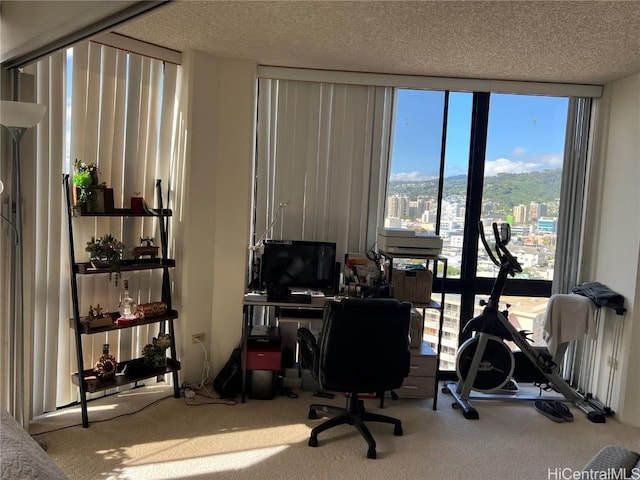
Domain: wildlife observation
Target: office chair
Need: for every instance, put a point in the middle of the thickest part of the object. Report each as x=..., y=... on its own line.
x=363, y=348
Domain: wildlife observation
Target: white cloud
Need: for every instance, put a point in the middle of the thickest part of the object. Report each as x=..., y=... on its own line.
x=410, y=177
x=532, y=163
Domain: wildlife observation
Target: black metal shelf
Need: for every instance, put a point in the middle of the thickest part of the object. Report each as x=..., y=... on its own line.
x=129, y=371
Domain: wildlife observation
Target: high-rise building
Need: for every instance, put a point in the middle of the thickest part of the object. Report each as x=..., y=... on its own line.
x=537, y=210
x=520, y=214
x=397, y=206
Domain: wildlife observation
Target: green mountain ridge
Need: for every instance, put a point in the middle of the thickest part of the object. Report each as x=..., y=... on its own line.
x=504, y=190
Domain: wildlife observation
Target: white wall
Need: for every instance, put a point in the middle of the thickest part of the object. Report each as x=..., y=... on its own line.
x=212, y=225
x=612, y=240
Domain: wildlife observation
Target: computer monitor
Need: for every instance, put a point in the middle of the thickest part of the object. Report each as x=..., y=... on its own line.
x=299, y=264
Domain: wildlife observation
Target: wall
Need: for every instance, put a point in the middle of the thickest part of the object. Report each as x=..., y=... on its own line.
x=612, y=240
x=212, y=224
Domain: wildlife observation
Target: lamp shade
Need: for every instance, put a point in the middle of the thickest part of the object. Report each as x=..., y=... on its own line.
x=20, y=114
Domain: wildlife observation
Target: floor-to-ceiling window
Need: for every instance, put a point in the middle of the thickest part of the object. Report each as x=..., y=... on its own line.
x=461, y=157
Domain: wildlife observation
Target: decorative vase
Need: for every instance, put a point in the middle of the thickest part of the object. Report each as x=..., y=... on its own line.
x=106, y=366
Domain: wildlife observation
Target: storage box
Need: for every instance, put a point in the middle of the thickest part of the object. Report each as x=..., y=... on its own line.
x=412, y=285
x=416, y=328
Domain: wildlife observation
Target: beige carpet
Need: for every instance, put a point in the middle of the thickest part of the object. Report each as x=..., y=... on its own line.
x=267, y=439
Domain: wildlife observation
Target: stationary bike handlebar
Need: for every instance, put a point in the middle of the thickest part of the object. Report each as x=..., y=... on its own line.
x=504, y=258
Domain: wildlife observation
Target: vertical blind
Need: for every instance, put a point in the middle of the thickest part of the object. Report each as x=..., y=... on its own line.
x=322, y=149
x=121, y=115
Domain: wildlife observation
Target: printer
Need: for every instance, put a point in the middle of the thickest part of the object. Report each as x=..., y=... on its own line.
x=405, y=242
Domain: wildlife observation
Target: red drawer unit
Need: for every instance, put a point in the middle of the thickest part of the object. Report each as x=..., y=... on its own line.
x=264, y=358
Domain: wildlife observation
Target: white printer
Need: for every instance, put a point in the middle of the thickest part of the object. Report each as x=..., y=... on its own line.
x=402, y=241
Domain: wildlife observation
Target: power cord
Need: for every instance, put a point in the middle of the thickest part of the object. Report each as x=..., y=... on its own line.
x=201, y=390
x=104, y=420
x=206, y=366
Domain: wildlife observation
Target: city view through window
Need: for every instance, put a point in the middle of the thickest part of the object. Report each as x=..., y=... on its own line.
x=521, y=186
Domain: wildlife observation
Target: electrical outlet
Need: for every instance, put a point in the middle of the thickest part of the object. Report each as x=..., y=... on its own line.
x=197, y=337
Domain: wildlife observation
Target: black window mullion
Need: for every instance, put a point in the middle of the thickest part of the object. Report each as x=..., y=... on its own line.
x=473, y=211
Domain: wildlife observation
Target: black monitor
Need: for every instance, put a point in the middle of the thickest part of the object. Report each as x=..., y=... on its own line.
x=299, y=264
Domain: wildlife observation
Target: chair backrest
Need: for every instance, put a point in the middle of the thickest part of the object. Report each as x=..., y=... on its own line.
x=364, y=345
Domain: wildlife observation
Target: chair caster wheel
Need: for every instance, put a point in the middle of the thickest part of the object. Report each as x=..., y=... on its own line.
x=455, y=405
x=313, y=442
x=313, y=415
x=397, y=431
x=445, y=390
x=371, y=453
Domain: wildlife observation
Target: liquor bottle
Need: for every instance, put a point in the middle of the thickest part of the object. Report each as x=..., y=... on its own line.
x=106, y=366
x=127, y=307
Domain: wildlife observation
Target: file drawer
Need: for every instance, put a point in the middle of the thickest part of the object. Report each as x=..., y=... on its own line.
x=421, y=381
x=417, y=387
x=264, y=358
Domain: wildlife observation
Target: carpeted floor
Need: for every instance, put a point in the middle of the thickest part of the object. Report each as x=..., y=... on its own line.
x=267, y=439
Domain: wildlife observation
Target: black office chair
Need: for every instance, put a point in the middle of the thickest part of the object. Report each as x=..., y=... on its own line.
x=363, y=348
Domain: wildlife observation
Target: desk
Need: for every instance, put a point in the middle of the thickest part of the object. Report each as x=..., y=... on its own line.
x=317, y=304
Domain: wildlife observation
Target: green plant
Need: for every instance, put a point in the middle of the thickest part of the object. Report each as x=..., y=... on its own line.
x=106, y=252
x=154, y=353
x=86, y=181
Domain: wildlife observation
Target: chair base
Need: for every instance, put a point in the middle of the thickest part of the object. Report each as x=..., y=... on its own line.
x=356, y=415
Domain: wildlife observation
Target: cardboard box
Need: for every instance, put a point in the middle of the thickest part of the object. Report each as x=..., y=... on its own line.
x=412, y=285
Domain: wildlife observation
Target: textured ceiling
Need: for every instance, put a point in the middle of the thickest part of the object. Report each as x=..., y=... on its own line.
x=546, y=41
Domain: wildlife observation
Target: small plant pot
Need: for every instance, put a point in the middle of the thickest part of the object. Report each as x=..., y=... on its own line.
x=99, y=264
x=157, y=360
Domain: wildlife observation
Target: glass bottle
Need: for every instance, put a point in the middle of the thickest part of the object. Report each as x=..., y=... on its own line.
x=106, y=366
x=127, y=306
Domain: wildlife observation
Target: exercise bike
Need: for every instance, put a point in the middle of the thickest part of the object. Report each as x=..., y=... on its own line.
x=486, y=364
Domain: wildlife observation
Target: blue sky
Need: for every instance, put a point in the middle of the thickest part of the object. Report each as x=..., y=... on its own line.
x=526, y=133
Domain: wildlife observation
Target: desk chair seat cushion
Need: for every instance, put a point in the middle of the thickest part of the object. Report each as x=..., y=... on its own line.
x=364, y=345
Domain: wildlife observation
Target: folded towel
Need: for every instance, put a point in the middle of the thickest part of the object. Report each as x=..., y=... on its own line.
x=568, y=317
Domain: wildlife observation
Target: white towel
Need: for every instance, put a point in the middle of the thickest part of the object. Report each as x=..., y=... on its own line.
x=568, y=317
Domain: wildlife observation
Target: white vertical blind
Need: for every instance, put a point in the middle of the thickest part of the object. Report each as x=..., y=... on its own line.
x=50, y=300
x=121, y=116
x=321, y=149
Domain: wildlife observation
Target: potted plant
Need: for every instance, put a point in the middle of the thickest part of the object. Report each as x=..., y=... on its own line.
x=105, y=252
x=155, y=353
x=91, y=194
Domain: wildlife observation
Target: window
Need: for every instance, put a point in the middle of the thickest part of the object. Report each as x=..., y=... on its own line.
x=458, y=157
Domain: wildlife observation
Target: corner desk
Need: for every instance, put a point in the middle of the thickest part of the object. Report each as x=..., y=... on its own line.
x=422, y=359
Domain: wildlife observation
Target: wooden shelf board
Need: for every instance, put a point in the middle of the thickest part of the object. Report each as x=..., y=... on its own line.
x=92, y=384
x=126, y=212
x=128, y=265
x=85, y=329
